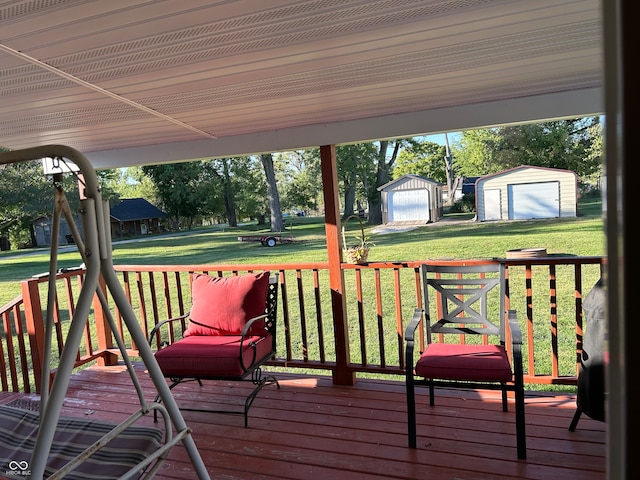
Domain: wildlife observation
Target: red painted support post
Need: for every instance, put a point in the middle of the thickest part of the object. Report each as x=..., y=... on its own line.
x=342, y=375
x=105, y=338
x=35, y=327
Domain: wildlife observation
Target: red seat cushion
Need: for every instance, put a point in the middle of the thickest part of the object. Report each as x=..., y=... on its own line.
x=223, y=305
x=211, y=356
x=485, y=363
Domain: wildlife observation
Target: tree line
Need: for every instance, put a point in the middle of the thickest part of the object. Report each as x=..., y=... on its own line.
x=263, y=187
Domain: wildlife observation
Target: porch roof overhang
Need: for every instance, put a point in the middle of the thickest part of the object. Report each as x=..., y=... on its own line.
x=133, y=83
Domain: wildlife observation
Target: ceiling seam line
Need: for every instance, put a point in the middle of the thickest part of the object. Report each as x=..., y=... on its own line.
x=61, y=73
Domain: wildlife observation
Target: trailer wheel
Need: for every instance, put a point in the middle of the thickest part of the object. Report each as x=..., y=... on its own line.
x=270, y=242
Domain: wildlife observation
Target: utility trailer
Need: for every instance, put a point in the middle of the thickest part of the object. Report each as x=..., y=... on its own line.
x=268, y=240
x=271, y=239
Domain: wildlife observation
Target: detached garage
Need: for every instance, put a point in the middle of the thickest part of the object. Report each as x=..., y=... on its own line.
x=527, y=192
x=411, y=199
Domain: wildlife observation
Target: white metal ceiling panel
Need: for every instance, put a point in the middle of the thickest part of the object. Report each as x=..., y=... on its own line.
x=131, y=82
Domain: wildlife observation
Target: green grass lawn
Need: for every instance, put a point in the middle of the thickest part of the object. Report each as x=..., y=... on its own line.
x=454, y=237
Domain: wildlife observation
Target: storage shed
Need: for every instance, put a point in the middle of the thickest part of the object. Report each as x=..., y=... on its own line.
x=411, y=199
x=527, y=192
x=42, y=228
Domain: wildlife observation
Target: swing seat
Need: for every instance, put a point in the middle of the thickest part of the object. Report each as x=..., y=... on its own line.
x=122, y=455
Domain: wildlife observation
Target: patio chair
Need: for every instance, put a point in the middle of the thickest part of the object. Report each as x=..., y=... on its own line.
x=465, y=338
x=230, y=334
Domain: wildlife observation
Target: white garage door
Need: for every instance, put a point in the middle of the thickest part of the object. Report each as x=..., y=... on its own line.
x=405, y=205
x=534, y=200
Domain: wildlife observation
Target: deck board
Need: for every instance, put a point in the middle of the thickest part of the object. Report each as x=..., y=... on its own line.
x=312, y=429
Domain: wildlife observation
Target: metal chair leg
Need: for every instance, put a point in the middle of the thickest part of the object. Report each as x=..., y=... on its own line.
x=574, y=421
x=411, y=412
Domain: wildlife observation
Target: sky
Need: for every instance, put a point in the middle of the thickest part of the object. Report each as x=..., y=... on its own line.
x=439, y=138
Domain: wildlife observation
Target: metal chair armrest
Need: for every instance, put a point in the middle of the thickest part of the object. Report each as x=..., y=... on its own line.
x=243, y=336
x=514, y=327
x=251, y=321
x=409, y=337
x=516, y=344
x=409, y=333
x=158, y=326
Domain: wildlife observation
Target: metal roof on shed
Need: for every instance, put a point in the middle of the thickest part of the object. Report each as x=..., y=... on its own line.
x=404, y=178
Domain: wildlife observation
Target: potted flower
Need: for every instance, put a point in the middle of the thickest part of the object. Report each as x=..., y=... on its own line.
x=358, y=252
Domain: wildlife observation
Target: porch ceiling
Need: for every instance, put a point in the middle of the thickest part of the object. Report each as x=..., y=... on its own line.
x=133, y=82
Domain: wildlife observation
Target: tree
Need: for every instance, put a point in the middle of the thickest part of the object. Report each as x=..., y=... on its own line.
x=594, y=156
x=26, y=194
x=299, y=175
x=565, y=144
x=453, y=181
x=180, y=188
x=561, y=144
x=422, y=158
x=130, y=182
x=384, y=166
x=273, y=197
x=474, y=153
x=355, y=164
x=224, y=173
x=230, y=188
x=249, y=188
x=213, y=193
x=429, y=160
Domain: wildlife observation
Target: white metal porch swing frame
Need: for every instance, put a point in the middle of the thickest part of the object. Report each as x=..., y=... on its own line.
x=96, y=252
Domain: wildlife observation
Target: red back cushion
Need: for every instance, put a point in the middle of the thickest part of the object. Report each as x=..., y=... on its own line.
x=223, y=305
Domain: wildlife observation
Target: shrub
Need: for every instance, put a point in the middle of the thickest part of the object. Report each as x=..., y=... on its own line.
x=467, y=204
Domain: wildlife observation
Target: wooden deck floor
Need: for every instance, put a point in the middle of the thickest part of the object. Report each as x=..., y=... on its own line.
x=312, y=429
